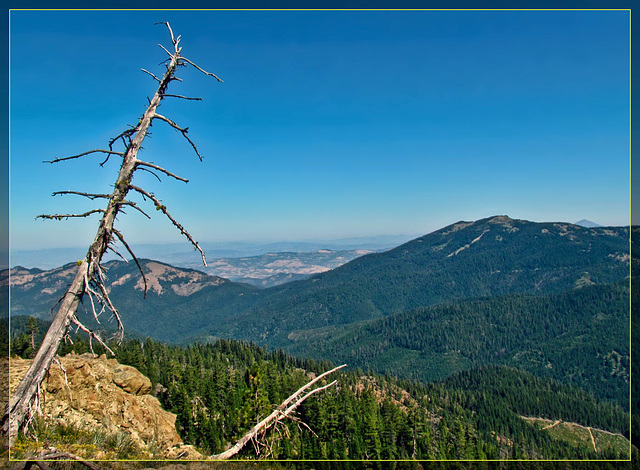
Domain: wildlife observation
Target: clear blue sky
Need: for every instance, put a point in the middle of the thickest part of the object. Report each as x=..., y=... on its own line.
x=329, y=124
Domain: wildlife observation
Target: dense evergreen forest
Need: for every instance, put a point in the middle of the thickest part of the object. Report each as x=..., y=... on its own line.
x=499, y=396
x=220, y=390
x=580, y=336
x=488, y=257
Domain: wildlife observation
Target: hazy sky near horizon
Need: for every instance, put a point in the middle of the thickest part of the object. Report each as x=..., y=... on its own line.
x=328, y=123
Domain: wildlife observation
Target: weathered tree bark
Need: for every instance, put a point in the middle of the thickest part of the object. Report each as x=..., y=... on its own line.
x=89, y=271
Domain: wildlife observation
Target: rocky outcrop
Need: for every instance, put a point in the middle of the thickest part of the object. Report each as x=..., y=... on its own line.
x=130, y=380
x=99, y=394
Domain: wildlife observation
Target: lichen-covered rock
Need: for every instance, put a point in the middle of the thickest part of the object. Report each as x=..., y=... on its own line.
x=130, y=380
x=100, y=394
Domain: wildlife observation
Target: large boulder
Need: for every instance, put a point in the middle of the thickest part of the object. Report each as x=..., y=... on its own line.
x=102, y=395
x=130, y=380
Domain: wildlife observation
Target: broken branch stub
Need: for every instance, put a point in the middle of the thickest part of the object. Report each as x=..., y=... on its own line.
x=89, y=279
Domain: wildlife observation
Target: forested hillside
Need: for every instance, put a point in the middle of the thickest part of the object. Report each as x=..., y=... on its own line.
x=580, y=336
x=489, y=257
x=219, y=390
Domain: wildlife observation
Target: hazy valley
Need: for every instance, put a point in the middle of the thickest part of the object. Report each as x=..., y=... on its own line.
x=272, y=269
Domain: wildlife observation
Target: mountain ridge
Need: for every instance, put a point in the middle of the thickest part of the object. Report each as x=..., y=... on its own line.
x=457, y=261
x=492, y=256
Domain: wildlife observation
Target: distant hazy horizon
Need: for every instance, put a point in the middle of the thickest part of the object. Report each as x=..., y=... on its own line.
x=256, y=241
x=47, y=258
x=50, y=257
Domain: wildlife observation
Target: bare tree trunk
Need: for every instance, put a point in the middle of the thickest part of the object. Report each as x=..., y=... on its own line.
x=90, y=271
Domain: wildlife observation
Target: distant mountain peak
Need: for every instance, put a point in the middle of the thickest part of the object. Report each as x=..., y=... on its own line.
x=494, y=219
x=587, y=223
x=183, y=282
x=501, y=219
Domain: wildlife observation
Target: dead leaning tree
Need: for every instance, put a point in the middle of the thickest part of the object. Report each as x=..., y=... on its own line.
x=90, y=278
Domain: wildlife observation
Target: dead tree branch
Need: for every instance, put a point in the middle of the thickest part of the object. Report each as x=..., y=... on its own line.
x=151, y=172
x=104, y=297
x=109, y=152
x=159, y=168
x=91, y=196
x=173, y=40
x=92, y=336
x=281, y=412
x=156, y=78
x=203, y=71
x=163, y=209
x=66, y=216
x=182, y=130
x=29, y=464
x=166, y=50
x=124, y=243
x=135, y=206
x=91, y=294
x=117, y=253
x=182, y=97
x=125, y=136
